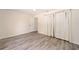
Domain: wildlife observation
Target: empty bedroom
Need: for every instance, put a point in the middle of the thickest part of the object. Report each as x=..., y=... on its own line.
x=39, y=29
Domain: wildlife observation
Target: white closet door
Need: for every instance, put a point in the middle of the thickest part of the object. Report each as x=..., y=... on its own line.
x=60, y=25
x=45, y=25
x=75, y=27
x=42, y=24
x=48, y=24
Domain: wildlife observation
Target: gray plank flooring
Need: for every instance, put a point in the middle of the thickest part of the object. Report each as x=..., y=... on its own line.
x=35, y=41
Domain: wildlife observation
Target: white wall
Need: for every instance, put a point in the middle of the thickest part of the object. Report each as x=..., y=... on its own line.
x=13, y=23
x=75, y=26
x=35, y=23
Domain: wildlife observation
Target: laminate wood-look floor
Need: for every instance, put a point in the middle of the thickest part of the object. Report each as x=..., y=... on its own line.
x=35, y=41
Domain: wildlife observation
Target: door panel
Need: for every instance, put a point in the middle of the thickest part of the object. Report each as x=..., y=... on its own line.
x=42, y=24
x=49, y=24
x=60, y=25
x=45, y=25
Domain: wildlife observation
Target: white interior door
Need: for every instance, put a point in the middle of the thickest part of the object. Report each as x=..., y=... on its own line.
x=60, y=25
x=48, y=24
x=45, y=25
x=42, y=24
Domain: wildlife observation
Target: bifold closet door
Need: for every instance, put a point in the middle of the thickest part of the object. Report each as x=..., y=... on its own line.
x=50, y=24
x=44, y=24
x=60, y=25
